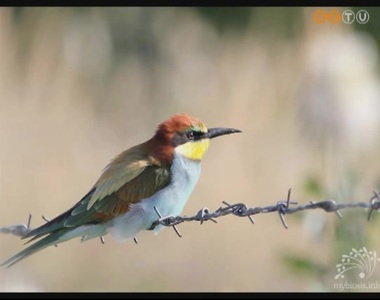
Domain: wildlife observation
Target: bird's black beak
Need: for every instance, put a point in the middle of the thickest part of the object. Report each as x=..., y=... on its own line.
x=215, y=132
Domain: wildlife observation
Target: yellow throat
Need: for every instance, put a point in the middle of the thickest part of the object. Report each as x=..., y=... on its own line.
x=194, y=150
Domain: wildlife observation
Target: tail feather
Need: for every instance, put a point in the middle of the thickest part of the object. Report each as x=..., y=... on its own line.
x=87, y=232
x=58, y=222
x=52, y=239
x=57, y=231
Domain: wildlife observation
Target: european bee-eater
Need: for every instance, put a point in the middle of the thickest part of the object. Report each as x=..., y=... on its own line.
x=158, y=174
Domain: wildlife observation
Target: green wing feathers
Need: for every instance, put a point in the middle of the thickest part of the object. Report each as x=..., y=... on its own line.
x=122, y=184
x=124, y=167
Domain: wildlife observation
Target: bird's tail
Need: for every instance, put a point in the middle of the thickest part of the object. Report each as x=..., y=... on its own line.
x=56, y=237
x=51, y=239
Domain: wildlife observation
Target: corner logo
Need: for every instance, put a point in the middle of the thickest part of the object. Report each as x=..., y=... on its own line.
x=348, y=16
x=362, y=16
x=361, y=261
x=334, y=16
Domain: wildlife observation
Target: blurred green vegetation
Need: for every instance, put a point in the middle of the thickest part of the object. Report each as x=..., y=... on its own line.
x=373, y=26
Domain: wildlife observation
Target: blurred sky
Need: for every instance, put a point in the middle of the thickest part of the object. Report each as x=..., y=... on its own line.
x=80, y=85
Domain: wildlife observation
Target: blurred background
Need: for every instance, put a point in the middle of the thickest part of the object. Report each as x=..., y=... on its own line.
x=80, y=85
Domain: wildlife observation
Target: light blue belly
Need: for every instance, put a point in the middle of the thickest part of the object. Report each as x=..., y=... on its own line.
x=169, y=201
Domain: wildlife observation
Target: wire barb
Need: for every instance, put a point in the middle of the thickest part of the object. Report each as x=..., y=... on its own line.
x=29, y=221
x=168, y=220
x=375, y=204
x=45, y=219
x=282, y=207
x=240, y=210
x=202, y=214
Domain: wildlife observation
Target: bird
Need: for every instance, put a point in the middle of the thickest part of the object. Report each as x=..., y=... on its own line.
x=156, y=175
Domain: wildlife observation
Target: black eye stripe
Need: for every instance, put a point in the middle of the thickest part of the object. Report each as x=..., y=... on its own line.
x=194, y=135
x=184, y=137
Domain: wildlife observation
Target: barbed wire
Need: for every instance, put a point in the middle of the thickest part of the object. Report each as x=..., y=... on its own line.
x=282, y=207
